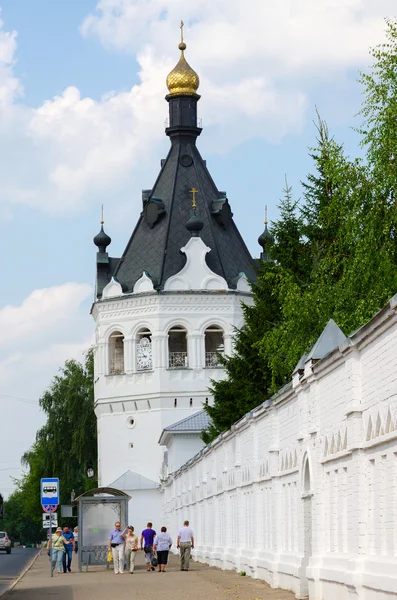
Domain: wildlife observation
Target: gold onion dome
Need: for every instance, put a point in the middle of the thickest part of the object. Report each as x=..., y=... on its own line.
x=183, y=80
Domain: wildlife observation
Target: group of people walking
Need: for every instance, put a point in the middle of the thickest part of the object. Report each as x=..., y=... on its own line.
x=64, y=542
x=124, y=544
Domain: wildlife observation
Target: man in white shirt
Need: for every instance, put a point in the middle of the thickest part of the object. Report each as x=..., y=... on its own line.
x=186, y=543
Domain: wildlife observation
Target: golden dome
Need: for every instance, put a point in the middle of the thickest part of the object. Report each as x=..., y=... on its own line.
x=182, y=79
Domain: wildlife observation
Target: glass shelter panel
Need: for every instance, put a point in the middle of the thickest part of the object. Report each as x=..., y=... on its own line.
x=99, y=520
x=97, y=516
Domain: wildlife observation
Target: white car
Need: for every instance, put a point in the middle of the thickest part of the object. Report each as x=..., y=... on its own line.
x=5, y=542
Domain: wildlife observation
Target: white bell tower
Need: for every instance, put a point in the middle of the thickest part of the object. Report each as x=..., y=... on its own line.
x=165, y=313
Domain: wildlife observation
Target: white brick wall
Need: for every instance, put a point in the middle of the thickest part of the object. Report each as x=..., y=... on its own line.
x=302, y=492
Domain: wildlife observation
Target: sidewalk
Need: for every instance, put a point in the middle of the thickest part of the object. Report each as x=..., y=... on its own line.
x=200, y=583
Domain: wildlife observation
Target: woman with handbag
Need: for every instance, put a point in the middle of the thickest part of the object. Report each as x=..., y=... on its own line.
x=162, y=545
x=131, y=548
x=58, y=549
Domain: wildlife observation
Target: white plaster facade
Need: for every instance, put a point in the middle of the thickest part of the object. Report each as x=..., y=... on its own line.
x=133, y=407
x=302, y=492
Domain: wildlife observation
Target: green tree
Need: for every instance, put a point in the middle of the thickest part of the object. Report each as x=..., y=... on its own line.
x=69, y=436
x=249, y=377
x=64, y=447
x=336, y=254
x=379, y=112
x=289, y=248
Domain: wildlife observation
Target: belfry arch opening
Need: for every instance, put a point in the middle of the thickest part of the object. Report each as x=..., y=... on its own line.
x=116, y=353
x=144, y=349
x=214, y=346
x=177, y=348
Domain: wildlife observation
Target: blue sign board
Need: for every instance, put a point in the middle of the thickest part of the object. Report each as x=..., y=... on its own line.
x=50, y=491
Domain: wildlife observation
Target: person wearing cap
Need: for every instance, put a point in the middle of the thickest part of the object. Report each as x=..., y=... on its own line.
x=58, y=549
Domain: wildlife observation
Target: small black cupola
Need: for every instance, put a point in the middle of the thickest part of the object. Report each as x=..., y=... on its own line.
x=265, y=240
x=102, y=240
x=103, y=263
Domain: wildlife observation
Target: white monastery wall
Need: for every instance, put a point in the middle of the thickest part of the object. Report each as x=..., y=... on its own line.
x=302, y=492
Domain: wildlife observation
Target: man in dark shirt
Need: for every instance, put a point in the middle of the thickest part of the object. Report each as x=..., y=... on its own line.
x=147, y=537
x=69, y=537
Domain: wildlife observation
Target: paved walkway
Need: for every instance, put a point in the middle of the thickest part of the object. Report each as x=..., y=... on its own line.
x=200, y=583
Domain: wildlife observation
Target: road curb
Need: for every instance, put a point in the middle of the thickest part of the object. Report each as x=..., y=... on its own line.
x=14, y=583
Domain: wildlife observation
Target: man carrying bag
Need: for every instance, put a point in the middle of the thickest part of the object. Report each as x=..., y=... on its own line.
x=116, y=543
x=147, y=538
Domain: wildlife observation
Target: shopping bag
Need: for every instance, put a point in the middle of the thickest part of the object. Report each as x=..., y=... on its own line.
x=110, y=556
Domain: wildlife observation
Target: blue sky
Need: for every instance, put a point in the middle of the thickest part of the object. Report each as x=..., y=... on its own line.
x=82, y=86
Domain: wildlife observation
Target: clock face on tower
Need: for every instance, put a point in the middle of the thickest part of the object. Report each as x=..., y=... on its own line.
x=144, y=354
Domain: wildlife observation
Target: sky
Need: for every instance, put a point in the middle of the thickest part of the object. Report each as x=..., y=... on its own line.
x=82, y=111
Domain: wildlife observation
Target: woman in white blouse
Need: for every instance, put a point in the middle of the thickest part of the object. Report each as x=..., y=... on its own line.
x=131, y=548
x=162, y=545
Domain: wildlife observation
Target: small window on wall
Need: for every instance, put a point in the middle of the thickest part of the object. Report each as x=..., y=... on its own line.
x=177, y=348
x=214, y=347
x=116, y=353
x=144, y=350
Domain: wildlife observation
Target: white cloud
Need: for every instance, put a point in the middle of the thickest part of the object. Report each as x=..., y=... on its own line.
x=50, y=326
x=10, y=87
x=39, y=313
x=243, y=35
x=37, y=336
x=258, y=62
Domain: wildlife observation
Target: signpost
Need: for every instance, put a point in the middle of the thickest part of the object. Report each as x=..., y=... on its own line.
x=50, y=518
x=49, y=494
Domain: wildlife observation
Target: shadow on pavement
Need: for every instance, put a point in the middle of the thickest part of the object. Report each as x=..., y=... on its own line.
x=59, y=592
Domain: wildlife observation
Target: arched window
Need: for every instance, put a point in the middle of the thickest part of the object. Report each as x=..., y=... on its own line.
x=306, y=477
x=214, y=346
x=177, y=348
x=116, y=353
x=144, y=350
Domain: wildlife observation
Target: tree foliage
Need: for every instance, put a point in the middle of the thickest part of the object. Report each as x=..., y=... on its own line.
x=64, y=447
x=334, y=252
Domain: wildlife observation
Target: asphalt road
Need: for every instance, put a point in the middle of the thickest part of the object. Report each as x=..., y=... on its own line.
x=12, y=565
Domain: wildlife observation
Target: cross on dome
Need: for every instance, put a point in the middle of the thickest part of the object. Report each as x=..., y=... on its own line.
x=182, y=80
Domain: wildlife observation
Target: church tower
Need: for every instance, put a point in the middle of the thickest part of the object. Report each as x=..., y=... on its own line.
x=165, y=311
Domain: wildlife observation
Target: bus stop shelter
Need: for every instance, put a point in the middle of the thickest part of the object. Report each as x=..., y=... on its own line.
x=98, y=510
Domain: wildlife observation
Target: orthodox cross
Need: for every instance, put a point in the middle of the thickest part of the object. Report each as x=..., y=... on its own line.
x=193, y=191
x=181, y=28
x=265, y=214
x=102, y=221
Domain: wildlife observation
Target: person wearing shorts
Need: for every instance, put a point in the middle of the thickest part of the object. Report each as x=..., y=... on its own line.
x=162, y=545
x=147, y=538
